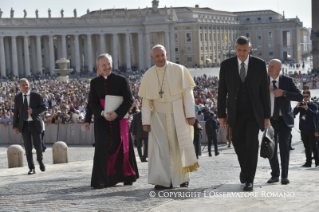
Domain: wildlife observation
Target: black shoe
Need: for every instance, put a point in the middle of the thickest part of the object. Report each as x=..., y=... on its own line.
x=93, y=144
x=159, y=187
x=128, y=183
x=284, y=181
x=241, y=178
x=209, y=155
x=184, y=184
x=216, y=153
x=273, y=180
x=99, y=187
x=144, y=160
x=306, y=165
x=31, y=171
x=43, y=149
x=248, y=187
x=42, y=167
x=292, y=148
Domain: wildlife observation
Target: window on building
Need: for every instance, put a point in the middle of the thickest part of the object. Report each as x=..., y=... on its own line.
x=259, y=18
x=177, y=60
x=205, y=36
x=210, y=48
x=270, y=45
x=270, y=35
x=271, y=53
x=189, y=59
x=188, y=49
x=206, y=48
x=202, y=58
x=258, y=35
x=247, y=19
x=259, y=45
x=201, y=48
x=247, y=35
x=175, y=28
x=176, y=38
x=176, y=49
x=270, y=18
x=201, y=36
x=188, y=28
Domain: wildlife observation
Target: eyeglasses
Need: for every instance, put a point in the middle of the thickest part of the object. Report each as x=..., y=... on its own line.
x=305, y=96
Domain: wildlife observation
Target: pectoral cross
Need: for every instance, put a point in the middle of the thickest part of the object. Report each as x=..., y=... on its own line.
x=161, y=93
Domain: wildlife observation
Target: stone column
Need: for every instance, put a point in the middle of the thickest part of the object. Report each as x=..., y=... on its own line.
x=46, y=54
x=102, y=44
x=172, y=43
x=89, y=52
x=20, y=56
x=39, y=55
x=128, y=50
x=33, y=55
x=115, y=52
x=7, y=55
x=2, y=58
x=63, y=46
x=51, y=53
x=140, y=52
x=148, y=49
x=77, y=54
x=166, y=41
x=26, y=56
x=14, y=56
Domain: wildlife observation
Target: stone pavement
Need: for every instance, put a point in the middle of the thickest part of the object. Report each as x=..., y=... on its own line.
x=65, y=187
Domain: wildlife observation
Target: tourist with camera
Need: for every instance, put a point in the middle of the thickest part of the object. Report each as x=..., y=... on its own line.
x=307, y=126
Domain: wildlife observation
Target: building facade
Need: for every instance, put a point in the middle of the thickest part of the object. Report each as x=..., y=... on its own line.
x=192, y=36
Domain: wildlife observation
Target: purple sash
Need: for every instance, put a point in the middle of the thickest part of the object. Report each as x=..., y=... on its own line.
x=124, y=133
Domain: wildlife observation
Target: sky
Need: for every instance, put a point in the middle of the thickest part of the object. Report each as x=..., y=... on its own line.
x=292, y=8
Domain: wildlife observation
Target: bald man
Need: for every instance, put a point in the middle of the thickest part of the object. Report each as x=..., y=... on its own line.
x=282, y=91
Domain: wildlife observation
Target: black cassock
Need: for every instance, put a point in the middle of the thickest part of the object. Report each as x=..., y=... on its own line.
x=111, y=165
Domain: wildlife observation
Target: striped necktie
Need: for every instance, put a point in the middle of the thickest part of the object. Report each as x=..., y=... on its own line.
x=276, y=105
x=242, y=73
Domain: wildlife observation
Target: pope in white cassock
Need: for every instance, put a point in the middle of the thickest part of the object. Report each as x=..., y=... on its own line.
x=168, y=115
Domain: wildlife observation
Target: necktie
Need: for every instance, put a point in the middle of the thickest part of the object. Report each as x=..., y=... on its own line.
x=25, y=108
x=276, y=105
x=242, y=73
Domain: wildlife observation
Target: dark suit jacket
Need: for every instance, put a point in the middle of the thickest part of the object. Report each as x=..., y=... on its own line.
x=258, y=89
x=37, y=105
x=137, y=126
x=292, y=94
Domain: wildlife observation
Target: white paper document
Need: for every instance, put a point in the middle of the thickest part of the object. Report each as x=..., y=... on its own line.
x=112, y=103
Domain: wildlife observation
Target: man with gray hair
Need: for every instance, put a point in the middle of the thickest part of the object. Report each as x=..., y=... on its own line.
x=243, y=79
x=27, y=120
x=168, y=115
x=114, y=159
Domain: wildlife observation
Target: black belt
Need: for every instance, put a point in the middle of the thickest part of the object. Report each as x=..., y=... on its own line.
x=28, y=122
x=275, y=119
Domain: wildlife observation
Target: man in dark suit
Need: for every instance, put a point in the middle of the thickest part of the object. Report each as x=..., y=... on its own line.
x=210, y=128
x=307, y=126
x=140, y=135
x=244, y=79
x=282, y=91
x=27, y=120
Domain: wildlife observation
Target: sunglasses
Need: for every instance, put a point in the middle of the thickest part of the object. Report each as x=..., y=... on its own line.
x=305, y=96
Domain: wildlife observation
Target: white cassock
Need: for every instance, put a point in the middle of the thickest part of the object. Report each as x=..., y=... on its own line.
x=170, y=149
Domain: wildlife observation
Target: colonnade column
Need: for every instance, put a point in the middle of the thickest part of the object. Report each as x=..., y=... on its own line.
x=115, y=52
x=26, y=56
x=63, y=46
x=166, y=41
x=51, y=53
x=77, y=54
x=172, y=44
x=148, y=49
x=140, y=51
x=128, y=50
x=14, y=56
x=39, y=55
x=89, y=52
x=2, y=58
x=102, y=44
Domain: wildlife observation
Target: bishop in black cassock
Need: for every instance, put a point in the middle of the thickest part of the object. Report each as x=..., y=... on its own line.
x=114, y=158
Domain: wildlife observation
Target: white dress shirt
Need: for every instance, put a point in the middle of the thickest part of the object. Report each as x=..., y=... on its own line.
x=246, y=65
x=28, y=99
x=272, y=96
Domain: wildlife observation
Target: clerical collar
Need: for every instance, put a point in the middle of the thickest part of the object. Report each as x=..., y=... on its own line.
x=105, y=77
x=161, y=68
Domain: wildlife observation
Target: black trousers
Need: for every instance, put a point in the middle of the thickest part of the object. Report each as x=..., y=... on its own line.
x=212, y=138
x=196, y=144
x=245, y=141
x=282, y=137
x=309, y=141
x=30, y=134
x=139, y=144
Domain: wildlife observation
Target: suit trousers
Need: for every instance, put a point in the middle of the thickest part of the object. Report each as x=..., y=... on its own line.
x=282, y=136
x=139, y=144
x=245, y=141
x=196, y=144
x=29, y=134
x=309, y=141
x=212, y=139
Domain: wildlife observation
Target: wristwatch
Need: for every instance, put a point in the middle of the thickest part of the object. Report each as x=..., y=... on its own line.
x=284, y=94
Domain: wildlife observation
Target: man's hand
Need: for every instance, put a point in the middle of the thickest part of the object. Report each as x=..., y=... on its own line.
x=266, y=123
x=271, y=88
x=191, y=121
x=147, y=128
x=87, y=126
x=111, y=116
x=305, y=106
x=278, y=92
x=134, y=136
x=222, y=122
x=316, y=134
x=30, y=110
x=16, y=130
